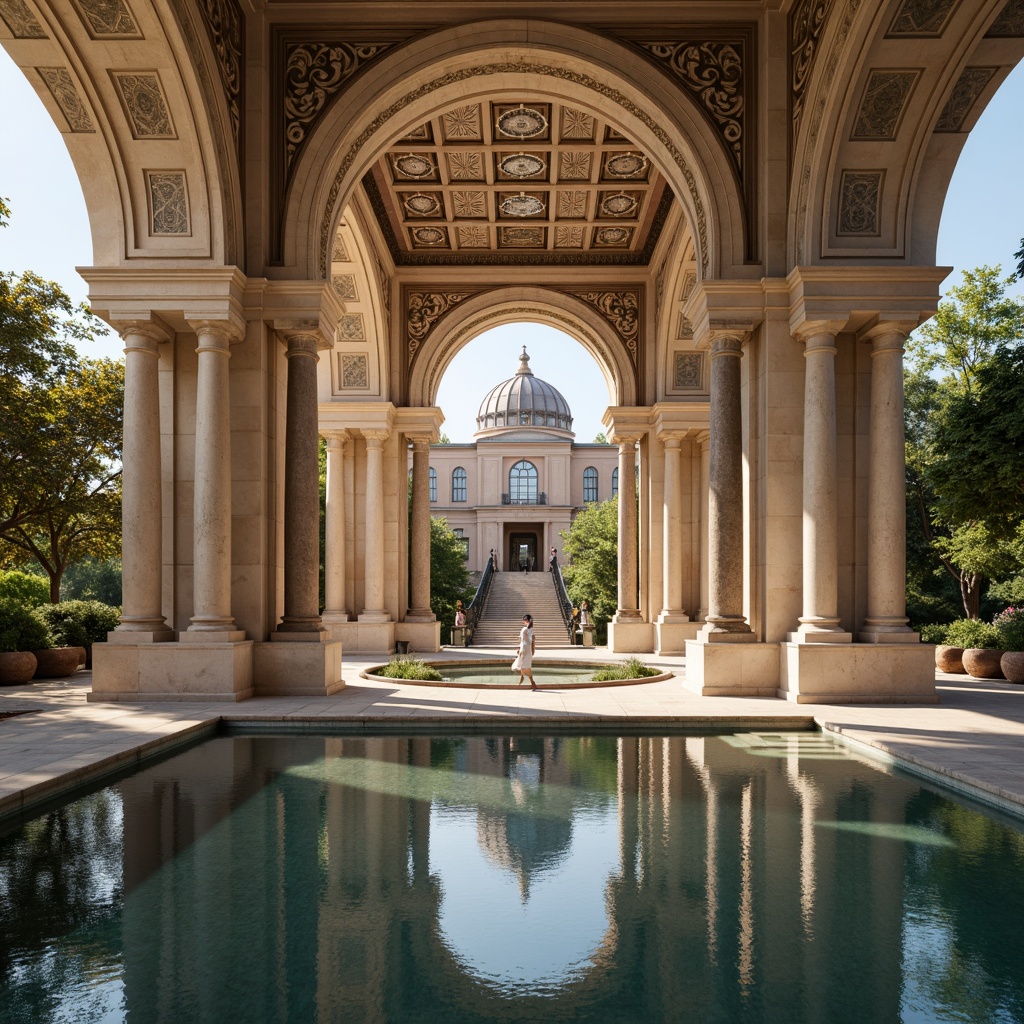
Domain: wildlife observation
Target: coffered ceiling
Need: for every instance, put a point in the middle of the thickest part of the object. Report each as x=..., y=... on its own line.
x=514, y=181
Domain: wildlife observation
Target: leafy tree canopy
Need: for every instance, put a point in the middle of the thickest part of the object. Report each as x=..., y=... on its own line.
x=449, y=578
x=592, y=546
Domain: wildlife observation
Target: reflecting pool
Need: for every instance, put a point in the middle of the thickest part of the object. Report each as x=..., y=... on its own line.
x=464, y=879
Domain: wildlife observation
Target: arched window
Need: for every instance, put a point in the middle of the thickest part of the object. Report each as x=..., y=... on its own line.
x=590, y=484
x=522, y=483
x=458, y=484
x=615, y=482
x=433, y=484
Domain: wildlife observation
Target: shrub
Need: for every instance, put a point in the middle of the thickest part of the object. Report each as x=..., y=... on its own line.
x=972, y=633
x=633, y=668
x=79, y=623
x=409, y=668
x=24, y=588
x=934, y=633
x=1010, y=624
x=20, y=630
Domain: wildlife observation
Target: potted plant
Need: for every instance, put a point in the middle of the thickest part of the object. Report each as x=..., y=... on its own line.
x=21, y=633
x=981, y=643
x=1010, y=624
x=80, y=624
x=947, y=657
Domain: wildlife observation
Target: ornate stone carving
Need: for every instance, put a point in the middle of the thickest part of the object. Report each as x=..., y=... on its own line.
x=522, y=238
x=65, y=95
x=354, y=371
x=568, y=238
x=1009, y=23
x=689, y=283
x=223, y=22
x=108, y=19
x=611, y=236
x=344, y=286
x=713, y=72
x=859, y=195
x=430, y=237
x=465, y=166
x=469, y=204
x=423, y=310
x=350, y=328
x=314, y=73
x=921, y=18
x=572, y=204
x=462, y=123
x=622, y=311
x=20, y=20
x=576, y=124
x=688, y=371
x=145, y=105
x=168, y=203
x=521, y=122
x=474, y=237
x=385, y=288
x=806, y=24
x=881, y=106
x=338, y=253
x=574, y=166
x=522, y=165
x=968, y=88
x=684, y=332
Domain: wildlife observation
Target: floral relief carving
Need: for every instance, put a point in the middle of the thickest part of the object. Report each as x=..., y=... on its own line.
x=223, y=22
x=689, y=371
x=921, y=17
x=881, y=107
x=622, y=311
x=65, y=95
x=807, y=22
x=859, y=196
x=354, y=371
x=424, y=310
x=338, y=253
x=20, y=20
x=968, y=88
x=314, y=73
x=168, y=203
x=684, y=331
x=109, y=19
x=1009, y=23
x=474, y=237
x=145, y=105
x=465, y=167
x=344, y=286
x=568, y=238
x=713, y=72
x=350, y=328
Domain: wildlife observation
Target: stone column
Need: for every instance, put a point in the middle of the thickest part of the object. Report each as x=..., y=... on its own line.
x=301, y=492
x=819, y=622
x=334, y=529
x=212, y=620
x=373, y=547
x=628, y=610
x=886, y=620
x=725, y=619
x=141, y=512
x=419, y=542
x=672, y=564
x=705, y=487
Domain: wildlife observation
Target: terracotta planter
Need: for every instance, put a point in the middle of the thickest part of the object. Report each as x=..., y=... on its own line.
x=83, y=656
x=982, y=663
x=56, y=663
x=949, y=659
x=16, y=667
x=1012, y=665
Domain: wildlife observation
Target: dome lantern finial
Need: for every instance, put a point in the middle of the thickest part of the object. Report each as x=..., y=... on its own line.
x=524, y=364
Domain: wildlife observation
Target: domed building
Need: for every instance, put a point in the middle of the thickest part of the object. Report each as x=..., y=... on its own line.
x=519, y=484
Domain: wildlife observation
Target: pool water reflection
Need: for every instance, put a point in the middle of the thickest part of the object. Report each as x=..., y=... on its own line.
x=754, y=877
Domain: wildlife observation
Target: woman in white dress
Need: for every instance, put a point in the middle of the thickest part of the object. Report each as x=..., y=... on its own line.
x=524, y=658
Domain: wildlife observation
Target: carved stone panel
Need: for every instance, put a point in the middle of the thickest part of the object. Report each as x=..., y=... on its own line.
x=622, y=311
x=423, y=310
x=568, y=238
x=108, y=19
x=969, y=86
x=65, y=95
x=143, y=100
x=921, y=18
x=354, y=371
x=882, y=104
x=168, y=203
x=338, y=254
x=474, y=237
x=688, y=371
x=344, y=286
x=860, y=194
x=223, y=22
x=684, y=332
x=1009, y=23
x=21, y=22
x=806, y=24
x=350, y=328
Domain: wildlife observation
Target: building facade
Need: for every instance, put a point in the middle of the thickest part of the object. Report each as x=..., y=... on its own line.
x=301, y=212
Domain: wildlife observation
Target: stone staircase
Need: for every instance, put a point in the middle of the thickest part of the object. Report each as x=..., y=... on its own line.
x=511, y=595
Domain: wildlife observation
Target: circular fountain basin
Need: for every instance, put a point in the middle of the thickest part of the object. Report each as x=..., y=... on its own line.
x=497, y=674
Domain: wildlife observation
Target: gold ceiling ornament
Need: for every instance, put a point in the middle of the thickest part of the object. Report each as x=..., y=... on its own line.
x=415, y=165
x=522, y=123
x=522, y=205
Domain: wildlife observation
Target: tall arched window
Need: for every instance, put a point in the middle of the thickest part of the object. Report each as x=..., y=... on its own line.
x=433, y=484
x=590, y=484
x=615, y=481
x=458, y=484
x=522, y=483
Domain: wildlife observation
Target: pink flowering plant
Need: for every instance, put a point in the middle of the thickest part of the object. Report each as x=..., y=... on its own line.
x=1010, y=624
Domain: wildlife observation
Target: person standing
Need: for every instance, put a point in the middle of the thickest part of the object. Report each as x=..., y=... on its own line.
x=554, y=559
x=584, y=614
x=524, y=658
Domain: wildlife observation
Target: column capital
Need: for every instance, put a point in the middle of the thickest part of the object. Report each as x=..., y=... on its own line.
x=149, y=328
x=886, y=335
x=375, y=438
x=302, y=344
x=303, y=330
x=419, y=442
x=224, y=332
x=672, y=438
x=817, y=334
x=336, y=439
x=625, y=441
x=725, y=342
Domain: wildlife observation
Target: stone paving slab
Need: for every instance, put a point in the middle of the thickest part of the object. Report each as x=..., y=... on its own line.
x=973, y=740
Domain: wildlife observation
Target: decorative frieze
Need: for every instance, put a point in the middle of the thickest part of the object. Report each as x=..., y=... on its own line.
x=168, y=203
x=969, y=86
x=21, y=22
x=423, y=310
x=622, y=311
x=882, y=104
x=144, y=103
x=223, y=22
x=921, y=18
x=806, y=24
x=65, y=95
x=684, y=331
x=860, y=194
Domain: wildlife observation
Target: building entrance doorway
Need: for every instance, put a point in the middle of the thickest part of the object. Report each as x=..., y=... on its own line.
x=522, y=552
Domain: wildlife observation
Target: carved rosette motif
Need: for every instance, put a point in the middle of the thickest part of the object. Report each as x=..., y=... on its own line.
x=223, y=22
x=20, y=20
x=968, y=88
x=314, y=74
x=713, y=72
x=622, y=311
x=64, y=93
x=144, y=102
x=807, y=22
x=423, y=311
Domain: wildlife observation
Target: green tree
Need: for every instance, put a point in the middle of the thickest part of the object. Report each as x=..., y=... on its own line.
x=602, y=438
x=449, y=578
x=965, y=425
x=592, y=575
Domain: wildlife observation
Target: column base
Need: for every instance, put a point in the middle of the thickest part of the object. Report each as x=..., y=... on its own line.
x=422, y=637
x=671, y=636
x=212, y=636
x=716, y=633
x=374, y=616
x=134, y=637
x=331, y=618
x=630, y=636
x=364, y=637
x=819, y=636
x=192, y=671
x=731, y=669
x=284, y=668
x=310, y=636
x=419, y=615
x=858, y=673
x=881, y=632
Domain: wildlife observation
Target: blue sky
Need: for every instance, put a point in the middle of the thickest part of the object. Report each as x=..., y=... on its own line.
x=982, y=223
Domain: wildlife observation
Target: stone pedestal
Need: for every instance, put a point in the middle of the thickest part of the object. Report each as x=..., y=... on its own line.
x=732, y=669
x=671, y=634
x=630, y=637
x=423, y=637
x=286, y=667
x=874, y=673
x=361, y=637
